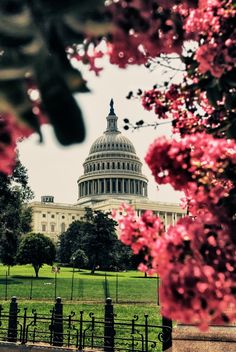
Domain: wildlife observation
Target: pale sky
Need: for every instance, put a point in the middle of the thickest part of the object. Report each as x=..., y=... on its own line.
x=54, y=170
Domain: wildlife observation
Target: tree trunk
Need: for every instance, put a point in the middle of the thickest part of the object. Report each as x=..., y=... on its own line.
x=8, y=270
x=36, y=269
x=93, y=269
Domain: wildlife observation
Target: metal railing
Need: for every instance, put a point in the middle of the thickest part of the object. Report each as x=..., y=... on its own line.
x=107, y=333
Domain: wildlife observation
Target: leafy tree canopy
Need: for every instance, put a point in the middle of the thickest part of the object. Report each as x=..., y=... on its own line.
x=79, y=259
x=96, y=237
x=70, y=240
x=15, y=217
x=36, y=249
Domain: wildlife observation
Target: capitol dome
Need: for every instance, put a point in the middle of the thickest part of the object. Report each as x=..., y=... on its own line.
x=112, y=168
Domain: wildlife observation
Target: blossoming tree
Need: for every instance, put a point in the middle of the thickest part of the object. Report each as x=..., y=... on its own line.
x=195, y=258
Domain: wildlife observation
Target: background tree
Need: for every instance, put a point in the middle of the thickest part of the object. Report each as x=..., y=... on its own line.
x=96, y=237
x=79, y=259
x=99, y=239
x=70, y=240
x=36, y=249
x=15, y=215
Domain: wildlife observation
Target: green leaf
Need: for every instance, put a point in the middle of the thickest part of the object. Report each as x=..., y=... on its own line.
x=214, y=95
x=230, y=101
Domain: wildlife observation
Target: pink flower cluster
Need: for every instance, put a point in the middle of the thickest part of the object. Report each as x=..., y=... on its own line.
x=195, y=260
x=12, y=130
x=88, y=54
x=141, y=234
x=144, y=29
x=212, y=24
x=188, y=108
x=197, y=158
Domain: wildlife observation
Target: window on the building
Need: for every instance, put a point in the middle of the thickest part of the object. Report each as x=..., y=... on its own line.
x=52, y=216
x=113, y=165
x=44, y=215
x=63, y=217
x=102, y=186
x=73, y=217
x=108, y=185
x=63, y=227
x=113, y=185
x=43, y=227
x=125, y=186
x=119, y=185
x=52, y=227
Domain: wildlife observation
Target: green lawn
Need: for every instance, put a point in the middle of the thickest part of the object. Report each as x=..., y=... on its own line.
x=124, y=287
x=135, y=294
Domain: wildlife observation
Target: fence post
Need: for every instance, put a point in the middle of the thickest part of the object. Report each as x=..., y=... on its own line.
x=166, y=334
x=6, y=286
x=158, y=290
x=109, y=331
x=105, y=286
x=117, y=292
x=31, y=288
x=12, y=323
x=58, y=323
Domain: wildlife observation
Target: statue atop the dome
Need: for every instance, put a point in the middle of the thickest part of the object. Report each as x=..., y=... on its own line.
x=112, y=112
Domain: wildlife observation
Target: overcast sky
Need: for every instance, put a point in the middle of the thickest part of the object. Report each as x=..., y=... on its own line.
x=54, y=170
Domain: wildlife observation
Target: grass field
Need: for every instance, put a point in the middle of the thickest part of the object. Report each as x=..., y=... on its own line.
x=126, y=287
x=132, y=293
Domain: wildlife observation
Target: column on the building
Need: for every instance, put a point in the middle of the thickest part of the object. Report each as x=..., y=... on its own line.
x=172, y=218
x=94, y=186
x=105, y=185
x=165, y=221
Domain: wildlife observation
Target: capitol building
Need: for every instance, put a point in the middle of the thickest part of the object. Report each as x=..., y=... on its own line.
x=112, y=175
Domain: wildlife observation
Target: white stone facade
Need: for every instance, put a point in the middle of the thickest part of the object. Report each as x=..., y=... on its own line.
x=54, y=218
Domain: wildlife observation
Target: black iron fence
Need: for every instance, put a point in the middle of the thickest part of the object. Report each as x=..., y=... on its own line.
x=107, y=333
